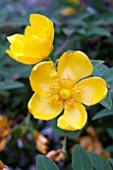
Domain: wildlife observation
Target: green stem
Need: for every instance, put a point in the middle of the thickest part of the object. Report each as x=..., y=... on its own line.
x=27, y=119
x=64, y=142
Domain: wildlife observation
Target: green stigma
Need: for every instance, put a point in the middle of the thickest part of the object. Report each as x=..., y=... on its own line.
x=65, y=94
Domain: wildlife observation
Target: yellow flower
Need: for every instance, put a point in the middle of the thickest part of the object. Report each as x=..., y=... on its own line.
x=36, y=43
x=55, y=90
x=67, y=11
x=74, y=1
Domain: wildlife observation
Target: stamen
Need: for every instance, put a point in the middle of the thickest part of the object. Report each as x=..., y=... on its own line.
x=55, y=86
x=76, y=96
x=70, y=103
x=67, y=82
x=56, y=100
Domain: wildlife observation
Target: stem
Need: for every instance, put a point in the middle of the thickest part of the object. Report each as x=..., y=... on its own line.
x=5, y=25
x=64, y=142
x=28, y=119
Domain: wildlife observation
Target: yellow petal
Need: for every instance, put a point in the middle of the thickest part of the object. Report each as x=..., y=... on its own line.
x=22, y=59
x=28, y=60
x=16, y=49
x=41, y=76
x=93, y=90
x=28, y=31
x=28, y=50
x=17, y=43
x=73, y=118
x=40, y=105
x=42, y=26
x=74, y=65
x=11, y=55
x=37, y=48
x=67, y=11
x=74, y=1
x=15, y=37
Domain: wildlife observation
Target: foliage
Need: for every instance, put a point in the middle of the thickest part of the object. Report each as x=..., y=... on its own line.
x=81, y=160
x=89, y=29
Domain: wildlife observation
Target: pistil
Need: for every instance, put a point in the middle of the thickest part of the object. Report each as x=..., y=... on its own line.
x=65, y=94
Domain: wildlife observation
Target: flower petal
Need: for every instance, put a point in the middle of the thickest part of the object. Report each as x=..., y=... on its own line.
x=40, y=105
x=28, y=60
x=93, y=90
x=68, y=11
x=42, y=75
x=28, y=31
x=22, y=59
x=74, y=65
x=37, y=48
x=73, y=118
x=15, y=37
x=17, y=43
x=11, y=55
x=28, y=50
x=42, y=26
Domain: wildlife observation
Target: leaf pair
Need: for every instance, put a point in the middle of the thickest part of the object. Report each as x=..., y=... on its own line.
x=81, y=160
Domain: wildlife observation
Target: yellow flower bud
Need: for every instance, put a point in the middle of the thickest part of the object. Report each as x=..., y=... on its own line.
x=36, y=43
x=67, y=11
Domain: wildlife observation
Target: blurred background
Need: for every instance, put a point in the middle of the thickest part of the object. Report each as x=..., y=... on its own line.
x=85, y=25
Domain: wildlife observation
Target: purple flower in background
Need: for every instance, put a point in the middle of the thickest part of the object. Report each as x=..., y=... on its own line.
x=91, y=10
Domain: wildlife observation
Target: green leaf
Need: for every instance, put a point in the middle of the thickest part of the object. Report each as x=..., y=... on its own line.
x=99, y=69
x=18, y=71
x=109, y=148
x=76, y=22
x=80, y=159
x=44, y=163
x=111, y=161
x=106, y=20
x=96, y=62
x=111, y=85
x=72, y=135
x=98, y=31
x=103, y=113
x=8, y=85
x=81, y=31
x=107, y=102
x=99, y=162
x=4, y=93
x=85, y=16
x=108, y=75
x=110, y=132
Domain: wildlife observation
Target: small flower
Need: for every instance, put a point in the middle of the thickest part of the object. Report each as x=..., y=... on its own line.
x=56, y=155
x=2, y=166
x=41, y=142
x=55, y=90
x=68, y=11
x=3, y=143
x=4, y=132
x=36, y=43
x=74, y=1
x=52, y=154
x=3, y=122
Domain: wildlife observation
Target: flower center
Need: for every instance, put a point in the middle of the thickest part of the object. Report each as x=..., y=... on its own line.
x=65, y=94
